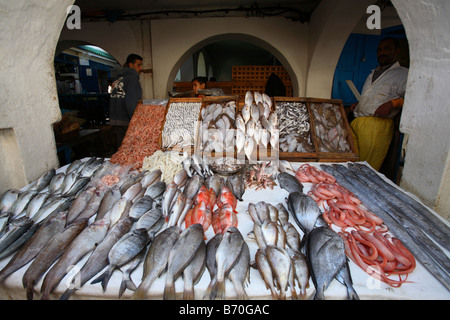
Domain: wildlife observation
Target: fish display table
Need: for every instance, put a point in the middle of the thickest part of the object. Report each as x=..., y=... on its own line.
x=421, y=283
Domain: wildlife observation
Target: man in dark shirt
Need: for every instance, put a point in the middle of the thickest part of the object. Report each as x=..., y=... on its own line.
x=126, y=92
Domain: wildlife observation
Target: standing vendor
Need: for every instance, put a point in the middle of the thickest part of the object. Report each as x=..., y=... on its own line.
x=381, y=100
x=126, y=91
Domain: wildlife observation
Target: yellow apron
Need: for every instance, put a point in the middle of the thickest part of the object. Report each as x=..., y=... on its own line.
x=372, y=138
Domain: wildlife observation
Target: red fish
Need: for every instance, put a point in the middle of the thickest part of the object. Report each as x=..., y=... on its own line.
x=223, y=218
x=206, y=196
x=199, y=214
x=227, y=197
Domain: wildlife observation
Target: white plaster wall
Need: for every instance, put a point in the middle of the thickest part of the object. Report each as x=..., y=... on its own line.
x=29, y=31
x=426, y=113
x=173, y=40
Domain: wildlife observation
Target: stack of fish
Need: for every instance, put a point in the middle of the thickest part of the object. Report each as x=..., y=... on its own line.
x=323, y=247
x=227, y=256
x=331, y=133
x=217, y=130
x=278, y=258
x=180, y=127
x=256, y=125
x=294, y=126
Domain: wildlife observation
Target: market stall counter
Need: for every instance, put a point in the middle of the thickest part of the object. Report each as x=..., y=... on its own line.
x=417, y=281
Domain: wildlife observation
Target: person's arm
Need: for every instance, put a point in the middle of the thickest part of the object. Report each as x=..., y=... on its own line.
x=133, y=95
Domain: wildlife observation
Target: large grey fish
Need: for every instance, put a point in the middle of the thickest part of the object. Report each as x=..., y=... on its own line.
x=193, y=185
x=140, y=207
x=151, y=178
x=98, y=260
x=236, y=184
x=109, y=199
x=227, y=255
x=282, y=268
x=179, y=257
x=265, y=271
x=17, y=227
x=326, y=258
x=211, y=248
x=91, y=207
x=155, y=262
x=215, y=182
x=177, y=209
x=80, y=202
x=289, y=183
x=304, y=210
x=84, y=243
x=31, y=249
x=49, y=254
x=122, y=252
x=240, y=273
x=127, y=269
x=193, y=272
x=156, y=190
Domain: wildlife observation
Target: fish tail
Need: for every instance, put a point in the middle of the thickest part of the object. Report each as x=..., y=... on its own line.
x=207, y=293
x=126, y=283
x=141, y=291
x=169, y=289
x=218, y=290
x=103, y=278
x=188, y=293
x=30, y=293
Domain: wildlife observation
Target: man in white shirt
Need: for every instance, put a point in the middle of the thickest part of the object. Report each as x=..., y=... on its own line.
x=381, y=100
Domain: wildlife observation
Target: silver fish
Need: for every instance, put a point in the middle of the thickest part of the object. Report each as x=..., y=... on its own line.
x=249, y=145
x=132, y=191
x=98, y=260
x=22, y=202
x=78, y=185
x=265, y=271
x=149, y=220
x=49, y=254
x=127, y=269
x=89, y=169
x=140, y=207
x=68, y=182
x=51, y=205
x=248, y=98
x=123, y=251
x=246, y=113
x=44, y=180
x=56, y=183
x=187, y=206
x=281, y=265
x=8, y=200
x=31, y=249
x=181, y=254
x=74, y=166
x=289, y=182
x=16, y=228
x=84, y=243
x=211, y=248
x=227, y=255
x=118, y=211
x=283, y=214
x=293, y=238
x=301, y=272
x=193, y=185
x=177, y=209
x=240, y=139
x=151, y=178
x=181, y=178
x=111, y=196
x=168, y=197
x=91, y=207
x=193, y=272
x=156, y=190
x=156, y=259
x=240, y=273
x=215, y=182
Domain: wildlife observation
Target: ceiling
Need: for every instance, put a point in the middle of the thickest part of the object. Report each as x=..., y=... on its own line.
x=111, y=10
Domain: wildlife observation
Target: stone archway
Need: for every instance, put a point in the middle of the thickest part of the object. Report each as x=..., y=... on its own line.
x=238, y=37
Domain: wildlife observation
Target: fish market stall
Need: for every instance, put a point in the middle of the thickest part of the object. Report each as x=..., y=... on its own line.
x=134, y=200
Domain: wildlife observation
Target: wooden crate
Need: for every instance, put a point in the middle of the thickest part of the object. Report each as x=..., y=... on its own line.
x=333, y=156
x=254, y=78
x=299, y=156
x=179, y=148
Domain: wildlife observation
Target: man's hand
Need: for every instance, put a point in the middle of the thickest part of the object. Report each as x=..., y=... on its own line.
x=384, y=110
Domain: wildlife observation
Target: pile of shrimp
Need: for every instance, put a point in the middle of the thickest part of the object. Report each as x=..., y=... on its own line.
x=366, y=238
x=141, y=139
